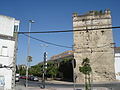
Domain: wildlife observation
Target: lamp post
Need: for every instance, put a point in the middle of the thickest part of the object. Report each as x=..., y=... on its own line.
x=28, y=52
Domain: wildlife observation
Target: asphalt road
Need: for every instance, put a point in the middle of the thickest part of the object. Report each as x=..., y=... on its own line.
x=110, y=85
x=47, y=84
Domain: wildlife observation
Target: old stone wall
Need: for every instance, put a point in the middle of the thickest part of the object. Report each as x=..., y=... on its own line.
x=94, y=44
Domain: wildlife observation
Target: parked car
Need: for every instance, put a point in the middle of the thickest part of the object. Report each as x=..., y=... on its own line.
x=22, y=77
x=34, y=78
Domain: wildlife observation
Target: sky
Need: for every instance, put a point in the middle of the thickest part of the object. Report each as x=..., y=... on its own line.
x=53, y=15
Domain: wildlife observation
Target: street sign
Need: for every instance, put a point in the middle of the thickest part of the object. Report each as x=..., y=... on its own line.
x=29, y=58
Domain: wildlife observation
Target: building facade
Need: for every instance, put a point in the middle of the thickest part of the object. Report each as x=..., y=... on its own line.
x=62, y=55
x=59, y=57
x=117, y=63
x=95, y=44
x=8, y=42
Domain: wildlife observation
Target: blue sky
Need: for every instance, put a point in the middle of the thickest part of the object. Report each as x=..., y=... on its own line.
x=53, y=15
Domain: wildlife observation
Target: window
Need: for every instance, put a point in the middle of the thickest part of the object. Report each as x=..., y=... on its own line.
x=4, y=51
x=15, y=28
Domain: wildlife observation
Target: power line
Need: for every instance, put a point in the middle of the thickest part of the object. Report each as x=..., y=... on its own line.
x=62, y=31
x=47, y=42
x=60, y=45
x=71, y=30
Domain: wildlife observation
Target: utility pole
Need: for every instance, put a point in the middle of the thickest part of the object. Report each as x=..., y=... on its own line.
x=44, y=69
x=28, y=52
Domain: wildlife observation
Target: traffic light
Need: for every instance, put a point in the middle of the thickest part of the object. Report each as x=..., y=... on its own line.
x=45, y=60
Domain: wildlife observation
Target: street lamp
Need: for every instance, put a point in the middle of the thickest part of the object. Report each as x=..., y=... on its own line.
x=28, y=52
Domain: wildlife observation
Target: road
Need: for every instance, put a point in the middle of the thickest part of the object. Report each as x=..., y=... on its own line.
x=49, y=84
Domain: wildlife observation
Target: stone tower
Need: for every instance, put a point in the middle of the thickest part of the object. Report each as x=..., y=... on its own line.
x=94, y=44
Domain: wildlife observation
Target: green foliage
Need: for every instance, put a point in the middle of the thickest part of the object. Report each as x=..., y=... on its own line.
x=36, y=70
x=61, y=69
x=52, y=69
x=22, y=70
x=99, y=12
x=86, y=70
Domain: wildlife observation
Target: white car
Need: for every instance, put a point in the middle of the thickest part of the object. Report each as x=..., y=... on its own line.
x=36, y=79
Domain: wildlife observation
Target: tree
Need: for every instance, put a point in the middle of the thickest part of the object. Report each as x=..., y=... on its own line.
x=22, y=70
x=36, y=70
x=52, y=69
x=86, y=70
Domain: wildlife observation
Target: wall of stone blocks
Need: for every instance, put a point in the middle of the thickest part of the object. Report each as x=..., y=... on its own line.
x=95, y=44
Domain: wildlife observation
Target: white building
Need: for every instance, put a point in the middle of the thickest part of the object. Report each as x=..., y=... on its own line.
x=8, y=40
x=117, y=62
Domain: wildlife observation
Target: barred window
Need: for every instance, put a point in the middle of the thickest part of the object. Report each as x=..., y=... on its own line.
x=15, y=28
x=4, y=51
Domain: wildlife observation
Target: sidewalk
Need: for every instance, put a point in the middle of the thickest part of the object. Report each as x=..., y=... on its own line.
x=59, y=82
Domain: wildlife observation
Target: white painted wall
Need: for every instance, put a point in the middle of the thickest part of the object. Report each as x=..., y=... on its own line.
x=6, y=25
x=117, y=65
x=7, y=49
x=7, y=60
x=10, y=52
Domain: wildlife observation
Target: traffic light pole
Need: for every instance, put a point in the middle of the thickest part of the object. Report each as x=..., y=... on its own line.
x=43, y=77
x=44, y=69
